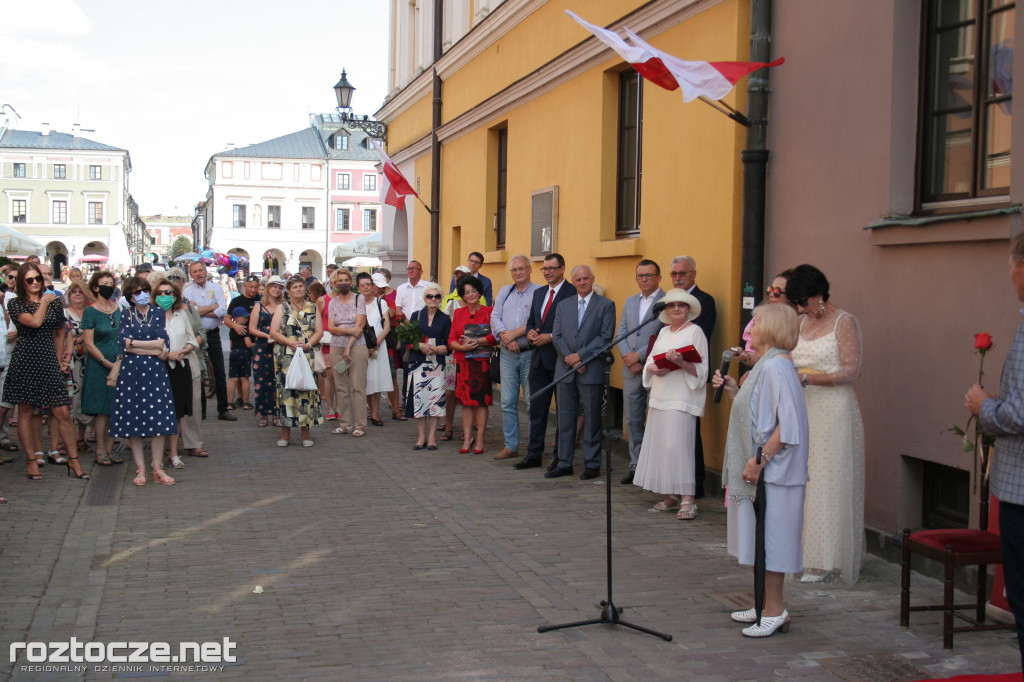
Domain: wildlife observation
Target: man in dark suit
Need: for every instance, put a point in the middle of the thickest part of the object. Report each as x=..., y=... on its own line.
x=633, y=349
x=684, y=276
x=584, y=325
x=544, y=359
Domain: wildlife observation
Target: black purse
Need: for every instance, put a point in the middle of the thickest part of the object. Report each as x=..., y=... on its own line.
x=370, y=336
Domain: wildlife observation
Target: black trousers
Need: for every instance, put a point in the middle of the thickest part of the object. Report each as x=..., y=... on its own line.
x=215, y=351
x=539, y=406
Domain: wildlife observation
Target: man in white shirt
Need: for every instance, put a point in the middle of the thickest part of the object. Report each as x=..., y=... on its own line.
x=409, y=295
x=209, y=301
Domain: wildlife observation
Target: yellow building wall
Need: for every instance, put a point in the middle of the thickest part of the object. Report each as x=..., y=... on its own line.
x=691, y=182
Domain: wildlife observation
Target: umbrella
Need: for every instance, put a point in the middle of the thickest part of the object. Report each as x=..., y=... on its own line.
x=760, y=507
x=94, y=258
x=187, y=256
x=362, y=262
x=13, y=242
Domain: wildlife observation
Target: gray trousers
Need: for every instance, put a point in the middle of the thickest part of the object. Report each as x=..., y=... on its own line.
x=570, y=394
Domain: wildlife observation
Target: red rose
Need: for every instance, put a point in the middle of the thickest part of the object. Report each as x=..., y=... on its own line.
x=982, y=341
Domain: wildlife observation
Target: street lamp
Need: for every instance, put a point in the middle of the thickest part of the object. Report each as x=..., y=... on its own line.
x=343, y=91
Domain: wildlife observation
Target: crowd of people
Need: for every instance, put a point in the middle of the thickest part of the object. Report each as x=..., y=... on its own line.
x=128, y=360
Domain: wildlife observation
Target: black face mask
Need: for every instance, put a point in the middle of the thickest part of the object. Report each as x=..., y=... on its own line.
x=343, y=289
x=106, y=291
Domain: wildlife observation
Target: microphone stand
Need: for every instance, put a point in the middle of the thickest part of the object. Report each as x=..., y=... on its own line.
x=609, y=612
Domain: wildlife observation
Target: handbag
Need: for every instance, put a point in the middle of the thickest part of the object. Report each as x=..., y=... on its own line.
x=319, y=364
x=370, y=336
x=494, y=368
x=114, y=372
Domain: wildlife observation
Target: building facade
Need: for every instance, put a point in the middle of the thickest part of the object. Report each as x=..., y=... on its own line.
x=70, y=194
x=550, y=142
x=307, y=198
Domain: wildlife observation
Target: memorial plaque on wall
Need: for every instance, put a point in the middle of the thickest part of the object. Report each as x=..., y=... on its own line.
x=544, y=222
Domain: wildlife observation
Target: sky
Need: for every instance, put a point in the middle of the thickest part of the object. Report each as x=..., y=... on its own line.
x=176, y=81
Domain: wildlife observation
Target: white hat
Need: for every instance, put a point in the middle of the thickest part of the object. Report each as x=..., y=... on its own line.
x=680, y=296
x=379, y=280
x=465, y=269
x=276, y=279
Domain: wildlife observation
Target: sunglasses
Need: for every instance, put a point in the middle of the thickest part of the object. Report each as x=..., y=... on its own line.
x=165, y=292
x=774, y=292
x=252, y=278
x=33, y=280
x=433, y=297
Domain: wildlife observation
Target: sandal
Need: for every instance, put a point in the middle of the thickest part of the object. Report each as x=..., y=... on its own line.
x=398, y=418
x=662, y=506
x=103, y=460
x=83, y=446
x=358, y=432
x=246, y=406
x=71, y=472
x=160, y=477
x=447, y=435
x=197, y=452
x=262, y=422
x=140, y=477
x=687, y=511
x=34, y=476
x=91, y=439
x=57, y=457
x=341, y=430
x=114, y=458
x=8, y=446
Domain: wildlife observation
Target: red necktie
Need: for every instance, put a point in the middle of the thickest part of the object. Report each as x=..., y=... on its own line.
x=547, y=307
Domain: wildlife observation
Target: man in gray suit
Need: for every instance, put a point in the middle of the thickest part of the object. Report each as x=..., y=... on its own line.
x=633, y=349
x=584, y=325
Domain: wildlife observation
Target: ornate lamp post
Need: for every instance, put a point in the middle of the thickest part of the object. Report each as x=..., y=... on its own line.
x=343, y=91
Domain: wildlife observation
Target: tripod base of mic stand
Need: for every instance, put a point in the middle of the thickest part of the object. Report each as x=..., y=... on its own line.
x=610, y=616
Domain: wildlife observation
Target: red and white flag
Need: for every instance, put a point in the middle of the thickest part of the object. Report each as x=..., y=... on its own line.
x=696, y=79
x=393, y=187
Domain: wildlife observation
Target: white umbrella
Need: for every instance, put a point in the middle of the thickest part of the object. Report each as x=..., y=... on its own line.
x=362, y=262
x=13, y=242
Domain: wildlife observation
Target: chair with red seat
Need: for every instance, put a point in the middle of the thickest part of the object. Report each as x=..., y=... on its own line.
x=955, y=547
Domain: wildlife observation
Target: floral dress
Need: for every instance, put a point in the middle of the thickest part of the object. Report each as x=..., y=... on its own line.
x=263, y=367
x=74, y=341
x=296, y=408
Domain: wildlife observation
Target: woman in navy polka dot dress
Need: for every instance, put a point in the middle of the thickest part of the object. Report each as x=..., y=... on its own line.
x=143, y=403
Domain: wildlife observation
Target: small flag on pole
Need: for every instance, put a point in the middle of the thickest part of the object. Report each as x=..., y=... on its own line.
x=394, y=187
x=696, y=79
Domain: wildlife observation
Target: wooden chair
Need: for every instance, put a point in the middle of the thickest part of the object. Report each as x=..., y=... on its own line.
x=955, y=547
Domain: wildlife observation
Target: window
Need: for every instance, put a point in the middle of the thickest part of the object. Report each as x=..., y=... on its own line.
x=341, y=141
x=19, y=170
x=273, y=216
x=238, y=215
x=308, y=218
x=966, y=99
x=627, y=203
x=19, y=211
x=60, y=171
x=95, y=212
x=342, y=220
x=499, y=214
x=60, y=212
x=370, y=182
x=369, y=220
x=95, y=172
x=344, y=181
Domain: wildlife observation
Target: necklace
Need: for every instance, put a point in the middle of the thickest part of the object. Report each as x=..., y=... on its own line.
x=142, y=320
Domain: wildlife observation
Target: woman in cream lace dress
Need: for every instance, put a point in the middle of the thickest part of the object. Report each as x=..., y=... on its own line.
x=828, y=358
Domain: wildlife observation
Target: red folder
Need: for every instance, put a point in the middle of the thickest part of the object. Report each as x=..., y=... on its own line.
x=689, y=354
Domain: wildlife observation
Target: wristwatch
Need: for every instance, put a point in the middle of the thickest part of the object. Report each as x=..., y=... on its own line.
x=803, y=380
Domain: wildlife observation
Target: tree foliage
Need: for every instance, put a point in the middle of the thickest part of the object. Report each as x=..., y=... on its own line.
x=181, y=244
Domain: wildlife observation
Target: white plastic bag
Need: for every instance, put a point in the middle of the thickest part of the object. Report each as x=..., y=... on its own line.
x=299, y=376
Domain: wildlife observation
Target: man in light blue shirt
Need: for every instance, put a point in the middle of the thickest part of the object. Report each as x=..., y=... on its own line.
x=209, y=301
x=508, y=324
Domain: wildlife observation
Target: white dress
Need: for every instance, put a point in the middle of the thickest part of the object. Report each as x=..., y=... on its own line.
x=378, y=372
x=834, y=508
x=665, y=464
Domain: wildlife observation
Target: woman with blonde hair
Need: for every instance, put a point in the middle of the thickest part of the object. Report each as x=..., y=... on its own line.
x=181, y=361
x=76, y=301
x=295, y=325
x=264, y=385
x=346, y=318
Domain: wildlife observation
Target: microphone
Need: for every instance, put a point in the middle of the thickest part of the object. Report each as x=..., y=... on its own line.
x=657, y=309
x=726, y=361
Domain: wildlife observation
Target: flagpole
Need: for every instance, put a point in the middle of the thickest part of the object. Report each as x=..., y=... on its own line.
x=727, y=110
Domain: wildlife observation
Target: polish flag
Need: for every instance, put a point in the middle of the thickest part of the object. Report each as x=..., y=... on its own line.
x=393, y=187
x=696, y=79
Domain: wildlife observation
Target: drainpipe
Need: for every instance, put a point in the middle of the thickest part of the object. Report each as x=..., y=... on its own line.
x=435, y=147
x=755, y=158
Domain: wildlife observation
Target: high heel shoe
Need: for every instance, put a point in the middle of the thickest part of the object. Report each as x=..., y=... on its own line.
x=465, y=448
x=160, y=477
x=83, y=476
x=34, y=475
x=768, y=626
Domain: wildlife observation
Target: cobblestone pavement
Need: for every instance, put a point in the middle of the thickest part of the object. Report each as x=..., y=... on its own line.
x=378, y=562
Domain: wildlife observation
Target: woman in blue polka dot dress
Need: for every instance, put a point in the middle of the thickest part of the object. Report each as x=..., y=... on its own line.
x=143, y=404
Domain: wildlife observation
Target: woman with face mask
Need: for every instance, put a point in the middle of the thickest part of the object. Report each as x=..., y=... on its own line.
x=346, y=317
x=143, y=403
x=100, y=324
x=182, y=363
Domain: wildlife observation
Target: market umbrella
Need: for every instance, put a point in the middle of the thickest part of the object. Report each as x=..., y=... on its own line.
x=760, y=507
x=94, y=258
x=362, y=262
x=13, y=242
x=187, y=256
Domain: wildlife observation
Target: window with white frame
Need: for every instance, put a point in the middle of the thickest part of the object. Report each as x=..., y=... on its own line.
x=19, y=170
x=342, y=220
x=370, y=182
x=238, y=215
x=60, y=171
x=344, y=181
x=273, y=216
x=60, y=212
x=19, y=211
x=341, y=141
x=308, y=218
x=369, y=220
x=95, y=172
x=95, y=212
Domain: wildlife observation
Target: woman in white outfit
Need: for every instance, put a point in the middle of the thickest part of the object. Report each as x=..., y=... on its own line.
x=378, y=372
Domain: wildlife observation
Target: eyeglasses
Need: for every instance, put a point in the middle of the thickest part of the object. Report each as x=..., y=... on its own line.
x=645, y=275
x=680, y=273
x=33, y=280
x=548, y=268
x=475, y=262
x=677, y=304
x=522, y=269
x=774, y=292
x=433, y=297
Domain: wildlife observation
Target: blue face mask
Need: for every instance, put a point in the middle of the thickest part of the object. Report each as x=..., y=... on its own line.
x=142, y=298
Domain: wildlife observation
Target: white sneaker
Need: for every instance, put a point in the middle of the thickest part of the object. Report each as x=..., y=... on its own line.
x=176, y=463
